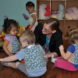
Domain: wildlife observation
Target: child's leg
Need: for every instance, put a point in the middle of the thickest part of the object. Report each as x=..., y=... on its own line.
x=64, y=64
x=10, y=64
x=21, y=67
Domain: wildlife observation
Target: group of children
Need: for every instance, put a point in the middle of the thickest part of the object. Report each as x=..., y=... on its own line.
x=50, y=44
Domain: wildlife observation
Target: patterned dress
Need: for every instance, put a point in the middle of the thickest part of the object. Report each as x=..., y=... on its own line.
x=14, y=45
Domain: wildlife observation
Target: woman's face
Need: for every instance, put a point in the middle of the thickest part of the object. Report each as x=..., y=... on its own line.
x=46, y=29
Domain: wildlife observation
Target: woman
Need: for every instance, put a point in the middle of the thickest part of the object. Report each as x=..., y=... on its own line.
x=49, y=36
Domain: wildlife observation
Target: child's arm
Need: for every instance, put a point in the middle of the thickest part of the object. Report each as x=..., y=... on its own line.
x=6, y=42
x=25, y=16
x=65, y=55
x=10, y=58
x=34, y=20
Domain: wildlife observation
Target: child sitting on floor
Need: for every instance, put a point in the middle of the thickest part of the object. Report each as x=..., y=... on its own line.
x=11, y=43
x=69, y=59
x=35, y=63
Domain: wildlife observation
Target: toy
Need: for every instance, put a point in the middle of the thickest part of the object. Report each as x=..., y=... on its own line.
x=72, y=13
x=2, y=35
x=48, y=11
x=27, y=27
x=44, y=11
x=21, y=29
x=25, y=16
x=60, y=15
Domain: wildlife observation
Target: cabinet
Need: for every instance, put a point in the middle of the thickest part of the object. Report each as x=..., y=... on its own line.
x=66, y=11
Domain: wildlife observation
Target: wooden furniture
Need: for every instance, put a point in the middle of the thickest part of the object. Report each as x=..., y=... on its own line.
x=65, y=24
x=52, y=72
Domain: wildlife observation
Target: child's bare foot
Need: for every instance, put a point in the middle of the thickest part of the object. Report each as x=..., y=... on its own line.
x=13, y=65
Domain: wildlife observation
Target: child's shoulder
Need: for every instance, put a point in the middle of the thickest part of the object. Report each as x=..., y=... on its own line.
x=34, y=13
x=8, y=37
x=71, y=48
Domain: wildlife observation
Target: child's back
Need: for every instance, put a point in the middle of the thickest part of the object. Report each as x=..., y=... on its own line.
x=35, y=63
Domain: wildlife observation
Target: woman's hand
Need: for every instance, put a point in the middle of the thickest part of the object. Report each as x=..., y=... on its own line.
x=61, y=48
x=48, y=55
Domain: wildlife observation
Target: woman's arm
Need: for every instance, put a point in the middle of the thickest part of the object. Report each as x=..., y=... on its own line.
x=6, y=42
x=48, y=55
x=10, y=58
x=65, y=55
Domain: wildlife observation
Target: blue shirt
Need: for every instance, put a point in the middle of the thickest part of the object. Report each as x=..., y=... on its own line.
x=71, y=49
x=46, y=46
x=14, y=42
x=33, y=56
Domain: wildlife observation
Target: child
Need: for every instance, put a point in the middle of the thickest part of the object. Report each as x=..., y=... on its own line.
x=33, y=16
x=69, y=59
x=35, y=63
x=11, y=43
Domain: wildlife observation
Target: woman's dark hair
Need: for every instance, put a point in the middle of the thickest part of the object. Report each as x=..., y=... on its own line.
x=30, y=4
x=54, y=23
x=8, y=24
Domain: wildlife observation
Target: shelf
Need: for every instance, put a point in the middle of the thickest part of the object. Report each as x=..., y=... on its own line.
x=55, y=4
x=70, y=20
x=58, y=0
x=68, y=5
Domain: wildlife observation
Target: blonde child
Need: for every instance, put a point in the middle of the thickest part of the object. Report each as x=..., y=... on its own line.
x=68, y=60
x=35, y=63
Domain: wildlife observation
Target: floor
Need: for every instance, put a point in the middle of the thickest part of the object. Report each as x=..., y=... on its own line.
x=52, y=72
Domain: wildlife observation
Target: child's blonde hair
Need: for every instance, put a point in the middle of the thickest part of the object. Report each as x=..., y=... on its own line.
x=28, y=36
x=73, y=35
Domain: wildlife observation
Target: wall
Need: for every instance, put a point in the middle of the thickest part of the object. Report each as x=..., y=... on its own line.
x=13, y=9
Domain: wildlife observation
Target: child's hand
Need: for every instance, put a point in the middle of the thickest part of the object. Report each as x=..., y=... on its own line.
x=25, y=16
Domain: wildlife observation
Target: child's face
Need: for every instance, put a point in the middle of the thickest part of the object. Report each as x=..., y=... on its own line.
x=30, y=10
x=46, y=29
x=24, y=43
x=14, y=30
